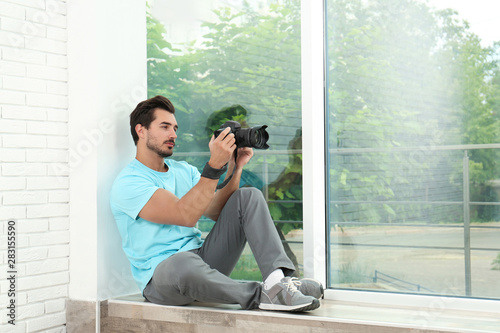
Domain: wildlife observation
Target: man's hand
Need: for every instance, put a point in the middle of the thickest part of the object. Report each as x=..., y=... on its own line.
x=235, y=169
x=221, y=148
x=243, y=157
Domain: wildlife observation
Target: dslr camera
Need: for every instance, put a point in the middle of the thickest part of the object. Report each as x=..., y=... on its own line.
x=255, y=137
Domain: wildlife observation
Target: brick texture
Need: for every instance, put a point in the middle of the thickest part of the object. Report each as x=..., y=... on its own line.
x=34, y=155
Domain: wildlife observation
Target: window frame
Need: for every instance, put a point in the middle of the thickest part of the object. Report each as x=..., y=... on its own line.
x=314, y=168
x=313, y=139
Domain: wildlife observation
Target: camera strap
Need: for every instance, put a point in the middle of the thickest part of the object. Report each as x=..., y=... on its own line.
x=224, y=183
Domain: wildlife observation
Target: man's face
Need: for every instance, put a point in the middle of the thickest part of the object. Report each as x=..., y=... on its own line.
x=161, y=134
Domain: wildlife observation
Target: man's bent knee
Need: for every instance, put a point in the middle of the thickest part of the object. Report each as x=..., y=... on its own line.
x=249, y=193
x=178, y=267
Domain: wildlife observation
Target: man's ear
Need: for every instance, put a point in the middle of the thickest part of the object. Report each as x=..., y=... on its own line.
x=140, y=130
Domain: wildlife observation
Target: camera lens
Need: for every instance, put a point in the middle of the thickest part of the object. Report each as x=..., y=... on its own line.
x=259, y=137
x=255, y=137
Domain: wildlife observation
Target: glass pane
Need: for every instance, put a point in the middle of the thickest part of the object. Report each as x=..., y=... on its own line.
x=235, y=60
x=413, y=144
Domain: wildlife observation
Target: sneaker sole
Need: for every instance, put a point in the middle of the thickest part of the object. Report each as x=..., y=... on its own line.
x=289, y=308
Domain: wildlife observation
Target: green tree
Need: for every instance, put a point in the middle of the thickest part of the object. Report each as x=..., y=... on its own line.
x=247, y=59
x=399, y=74
x=403, y=74
x=247, y=69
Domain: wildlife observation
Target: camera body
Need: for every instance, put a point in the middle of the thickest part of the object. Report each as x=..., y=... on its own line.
x=255, y=137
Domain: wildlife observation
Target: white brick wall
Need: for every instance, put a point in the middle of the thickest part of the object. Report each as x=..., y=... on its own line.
x=34, y=186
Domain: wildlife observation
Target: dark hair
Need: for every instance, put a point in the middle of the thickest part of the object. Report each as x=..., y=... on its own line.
x=144, y=113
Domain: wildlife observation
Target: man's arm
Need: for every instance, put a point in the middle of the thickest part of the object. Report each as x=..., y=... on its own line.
x=165, y=208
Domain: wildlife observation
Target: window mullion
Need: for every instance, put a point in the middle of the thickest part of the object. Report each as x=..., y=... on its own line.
x=313, y=138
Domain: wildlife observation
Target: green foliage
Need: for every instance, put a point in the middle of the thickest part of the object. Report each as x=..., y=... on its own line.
x=352, y=273
x=402, y=74
x=246, y=269
x=247, y=69
x=496, y=263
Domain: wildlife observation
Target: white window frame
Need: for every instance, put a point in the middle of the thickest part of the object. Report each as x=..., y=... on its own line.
x=314, y=186
x=313, y=139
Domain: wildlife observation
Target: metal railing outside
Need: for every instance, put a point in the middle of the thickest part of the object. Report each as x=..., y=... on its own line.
x=465, y=203
x=398, y=283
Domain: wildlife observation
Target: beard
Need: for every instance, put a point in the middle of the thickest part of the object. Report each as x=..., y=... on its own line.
x=162, y=152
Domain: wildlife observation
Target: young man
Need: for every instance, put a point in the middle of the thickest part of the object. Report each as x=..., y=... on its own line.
x=157, y=203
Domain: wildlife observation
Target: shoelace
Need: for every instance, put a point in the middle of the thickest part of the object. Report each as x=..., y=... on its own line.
x=296, y=282
x=291, y=284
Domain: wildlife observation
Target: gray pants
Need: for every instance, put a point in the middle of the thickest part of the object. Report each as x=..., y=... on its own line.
x=203, y=274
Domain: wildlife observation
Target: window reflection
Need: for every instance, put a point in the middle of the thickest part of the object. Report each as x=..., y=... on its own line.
x=236, y=60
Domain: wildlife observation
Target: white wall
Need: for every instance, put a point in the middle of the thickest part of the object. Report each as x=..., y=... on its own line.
x=107, y=78
x=54, y=147
x=34, y=180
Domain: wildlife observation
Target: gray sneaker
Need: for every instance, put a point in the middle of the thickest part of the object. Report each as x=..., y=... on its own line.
x=284, y=296
x=309, y=287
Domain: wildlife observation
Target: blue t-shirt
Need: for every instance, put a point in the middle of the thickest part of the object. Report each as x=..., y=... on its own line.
x=145, y=243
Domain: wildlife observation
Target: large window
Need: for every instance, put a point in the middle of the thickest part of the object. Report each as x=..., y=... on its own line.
x=413, y=146
x=236, y=60
x=412, y=130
